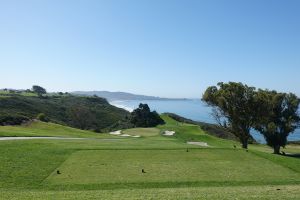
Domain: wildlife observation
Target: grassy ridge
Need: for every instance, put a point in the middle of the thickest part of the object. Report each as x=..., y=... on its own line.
x=189, y=132
x=38, y=128
x=211, y=129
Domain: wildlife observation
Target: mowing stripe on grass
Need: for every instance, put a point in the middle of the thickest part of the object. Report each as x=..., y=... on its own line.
x=167, y=168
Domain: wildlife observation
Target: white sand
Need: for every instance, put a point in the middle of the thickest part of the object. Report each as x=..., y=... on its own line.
x=168, y=133
x=116, y=132
x=119, y=133
x=125, y=135
x=203, y=144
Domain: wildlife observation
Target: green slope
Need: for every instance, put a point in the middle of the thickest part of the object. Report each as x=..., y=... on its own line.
x=38, y=128
x=80, y=112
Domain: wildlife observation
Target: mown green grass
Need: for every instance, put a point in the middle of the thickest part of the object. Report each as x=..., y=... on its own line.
x=25, y=164
x=145, y=132
x=286, y=192
x=102, y=166
x=163, y=166
x=188, y=132
x=38, y=128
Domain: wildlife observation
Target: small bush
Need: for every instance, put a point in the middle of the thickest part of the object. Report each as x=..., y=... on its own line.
x=42, y=117
x=97, y=130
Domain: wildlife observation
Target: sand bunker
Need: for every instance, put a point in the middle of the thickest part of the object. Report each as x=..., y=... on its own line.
x=136, y=136
x=119, y=133
x=168, y=133
x=125, y=135
x=203, y=144
x=116, y=132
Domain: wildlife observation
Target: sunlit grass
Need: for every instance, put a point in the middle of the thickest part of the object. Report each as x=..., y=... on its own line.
x=110, y=167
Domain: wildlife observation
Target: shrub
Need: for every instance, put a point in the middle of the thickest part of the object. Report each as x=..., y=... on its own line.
x=12, y=120
x=42, y=117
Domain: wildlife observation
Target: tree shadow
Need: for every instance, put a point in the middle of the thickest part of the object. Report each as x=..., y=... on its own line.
x=296, y=155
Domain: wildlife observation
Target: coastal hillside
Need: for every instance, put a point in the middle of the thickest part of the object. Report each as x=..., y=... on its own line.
x=115, y=96
x=92, y=113
x=211, y=129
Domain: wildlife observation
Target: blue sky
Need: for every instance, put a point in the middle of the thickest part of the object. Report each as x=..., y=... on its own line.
x=166, y=48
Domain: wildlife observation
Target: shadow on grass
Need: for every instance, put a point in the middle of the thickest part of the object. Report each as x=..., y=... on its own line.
x=296, y=155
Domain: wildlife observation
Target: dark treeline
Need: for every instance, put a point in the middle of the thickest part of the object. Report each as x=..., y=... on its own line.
x=239, y=108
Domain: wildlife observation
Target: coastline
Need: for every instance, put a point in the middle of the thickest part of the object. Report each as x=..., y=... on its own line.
x=119, y=105
x=192, y=110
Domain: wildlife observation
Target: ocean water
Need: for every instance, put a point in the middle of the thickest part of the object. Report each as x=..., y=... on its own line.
x=193, y=109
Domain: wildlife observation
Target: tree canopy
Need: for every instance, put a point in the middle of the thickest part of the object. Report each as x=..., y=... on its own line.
x=239, y=108
x=234, y=107
x=143, y=117
x=39, y=90
x=278, y=118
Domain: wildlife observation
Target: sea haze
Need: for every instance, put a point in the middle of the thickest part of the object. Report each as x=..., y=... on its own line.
x=193, y=109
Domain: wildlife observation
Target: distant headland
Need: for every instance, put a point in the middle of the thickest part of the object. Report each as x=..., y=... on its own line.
x=117, y=96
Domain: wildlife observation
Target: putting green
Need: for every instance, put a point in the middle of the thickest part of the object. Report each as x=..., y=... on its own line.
x=145, y=132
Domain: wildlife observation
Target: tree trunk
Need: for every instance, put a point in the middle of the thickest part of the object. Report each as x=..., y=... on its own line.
x=276, y=149
x=245, y=144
